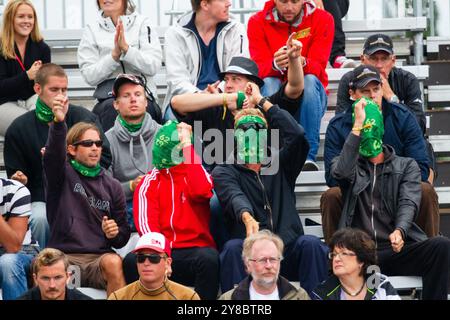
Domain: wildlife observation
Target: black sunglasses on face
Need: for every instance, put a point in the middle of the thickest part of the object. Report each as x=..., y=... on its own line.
x=153, y=258
x=88, y=143
x=251, y=125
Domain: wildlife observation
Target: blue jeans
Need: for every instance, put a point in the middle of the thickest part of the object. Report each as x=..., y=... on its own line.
x=14, y=270
x=313, y=105
x=39, y=227
x=217, y=225
x=130, y=217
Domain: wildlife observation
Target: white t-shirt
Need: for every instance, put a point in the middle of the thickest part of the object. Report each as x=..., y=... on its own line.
x=257, y=296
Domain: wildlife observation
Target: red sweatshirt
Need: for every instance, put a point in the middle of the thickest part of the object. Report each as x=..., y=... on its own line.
x=175, y=202
x=267, y=34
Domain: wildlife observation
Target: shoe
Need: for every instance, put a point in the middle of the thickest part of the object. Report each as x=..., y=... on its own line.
x=310, y=166
x=344, y=62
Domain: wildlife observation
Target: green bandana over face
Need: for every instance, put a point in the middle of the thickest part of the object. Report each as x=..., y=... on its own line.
x=43, y=112
x=373, y=130
x=251, y=139
x=167, y=150
x=86, y=171
x=129, y=126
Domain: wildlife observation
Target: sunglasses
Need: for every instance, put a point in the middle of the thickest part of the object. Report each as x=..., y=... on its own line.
x=251, y=125
x=152, y=258
x=88, y=143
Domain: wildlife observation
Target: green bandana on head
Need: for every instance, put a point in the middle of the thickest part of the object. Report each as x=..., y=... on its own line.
x=86, y=171
x=373, y=130
x=129, y=126
x=167, y=150
x=43, y=112
x=251, y=139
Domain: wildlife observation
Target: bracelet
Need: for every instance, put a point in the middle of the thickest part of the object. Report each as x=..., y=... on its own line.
x=367, y=125
x=357, y=128
x=131, y=186
x=225, y=105
x=240, y=99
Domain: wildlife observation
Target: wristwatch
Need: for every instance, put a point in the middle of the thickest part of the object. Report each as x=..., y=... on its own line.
x=395, y=99
x=261, y=102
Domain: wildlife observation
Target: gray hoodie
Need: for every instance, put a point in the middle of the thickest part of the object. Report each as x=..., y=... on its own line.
x=131, y=152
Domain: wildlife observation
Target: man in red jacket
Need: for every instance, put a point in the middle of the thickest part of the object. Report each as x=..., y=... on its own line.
x=173, y=199
x=268, y=31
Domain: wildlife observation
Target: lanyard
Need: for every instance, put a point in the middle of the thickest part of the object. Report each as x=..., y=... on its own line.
x=20, y=62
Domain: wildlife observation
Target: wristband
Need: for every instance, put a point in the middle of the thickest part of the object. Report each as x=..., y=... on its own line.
x=240, y=99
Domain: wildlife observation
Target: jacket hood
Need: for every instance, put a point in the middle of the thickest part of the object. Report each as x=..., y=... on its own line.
x=107, y=24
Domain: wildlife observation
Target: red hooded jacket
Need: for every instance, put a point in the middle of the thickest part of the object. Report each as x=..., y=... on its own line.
x=175, y=202
x=267, y=34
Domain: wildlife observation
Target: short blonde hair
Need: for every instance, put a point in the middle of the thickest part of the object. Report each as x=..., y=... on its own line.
x=7, y=32
x=49, y=257
x=259, y=236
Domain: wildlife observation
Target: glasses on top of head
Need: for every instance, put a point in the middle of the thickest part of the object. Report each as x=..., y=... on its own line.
x=153, y=258
x=263, y=261
x=342, y=255
x=89, y=143
x=251, y=125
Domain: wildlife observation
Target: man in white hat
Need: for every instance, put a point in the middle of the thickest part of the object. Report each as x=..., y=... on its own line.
x=154, y=266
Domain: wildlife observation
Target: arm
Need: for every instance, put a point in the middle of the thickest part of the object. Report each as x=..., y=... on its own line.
x=148, y=56
x=9, y=84
x=12, y=233
x=413, y=99
x=14, y=155
x=333, y=146
x=295, y=77
x=94, y=68
x=198, y=180
x=118, y=220
x=239, y=41
x=192, y=102
x=146, y=204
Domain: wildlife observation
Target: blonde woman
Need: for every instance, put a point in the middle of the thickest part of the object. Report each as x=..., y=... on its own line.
x=22, y=53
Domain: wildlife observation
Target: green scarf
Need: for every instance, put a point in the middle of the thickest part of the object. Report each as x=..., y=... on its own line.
x=167, y=150
x=251, y=144
x=129, y=126
x=43, y=112
x=373, y=130
x=86, y=171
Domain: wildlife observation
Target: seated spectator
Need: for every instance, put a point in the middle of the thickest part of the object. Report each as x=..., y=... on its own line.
x=86, y=208
x=50, y=274
x=22, y=53
x=26, y=137
x=401, y=132
x=154, y=261
x=16, y=249
x=173, y=199
x=262, y=254
x=119, y=41
x=268, y=31
x=352, y=252
x=131, y=137
x=199, y=46
x=257, y=197
x=381, y=195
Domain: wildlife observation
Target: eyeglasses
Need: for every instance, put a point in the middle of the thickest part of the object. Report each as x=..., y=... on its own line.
x=152, y=258
x=88, y=143
x=342, y=255
x=263, y=261
x=251, y=125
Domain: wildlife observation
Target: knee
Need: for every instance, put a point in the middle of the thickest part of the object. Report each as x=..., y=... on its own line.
x=441, y=245
x=111, y=263
x=8, y=262
x=209, y=257
x=331, y=197
x=308, y=242
x=428, y=192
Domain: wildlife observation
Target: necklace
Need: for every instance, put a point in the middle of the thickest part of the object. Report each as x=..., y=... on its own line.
x=352, y=294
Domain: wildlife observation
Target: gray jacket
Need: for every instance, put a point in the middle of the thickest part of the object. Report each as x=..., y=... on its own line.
x=183, y=55
x=401, y=187
x=131, y=152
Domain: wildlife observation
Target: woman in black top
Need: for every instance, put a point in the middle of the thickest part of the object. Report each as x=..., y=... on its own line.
x=22, y=53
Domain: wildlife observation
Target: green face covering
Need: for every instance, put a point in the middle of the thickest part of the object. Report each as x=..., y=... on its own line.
x=373, y=130
x=43, y=112
x=86, y=171
x=167, y=151
x=251, y=139
x=129, y=126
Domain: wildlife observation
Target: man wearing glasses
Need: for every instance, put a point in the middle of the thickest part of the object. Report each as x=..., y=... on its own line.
x=153, y=259
x=85, y=206
x=26, y=137
x=262, y=254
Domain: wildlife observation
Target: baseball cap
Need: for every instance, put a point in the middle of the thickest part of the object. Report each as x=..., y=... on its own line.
x=126, y=78
x=244, y=66
x=154, y=241
x=378, y=42
x=363, y=75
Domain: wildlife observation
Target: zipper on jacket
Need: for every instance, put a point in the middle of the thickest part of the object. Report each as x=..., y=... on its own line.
x=267, y=206
x=373, y=205
x=149, y=34
x=242, y=42
x=173, y=207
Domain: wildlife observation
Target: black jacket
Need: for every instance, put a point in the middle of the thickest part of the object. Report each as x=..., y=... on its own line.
x=405, y=86
x=400, y=188
x=270, y=198
x=27, y=135
x=14, y=82
x=71, y=294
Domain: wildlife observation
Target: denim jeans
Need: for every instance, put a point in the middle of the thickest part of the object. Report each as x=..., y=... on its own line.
x=40, y=230
x=130, y=217
x=313, y=105
x=14, y=271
